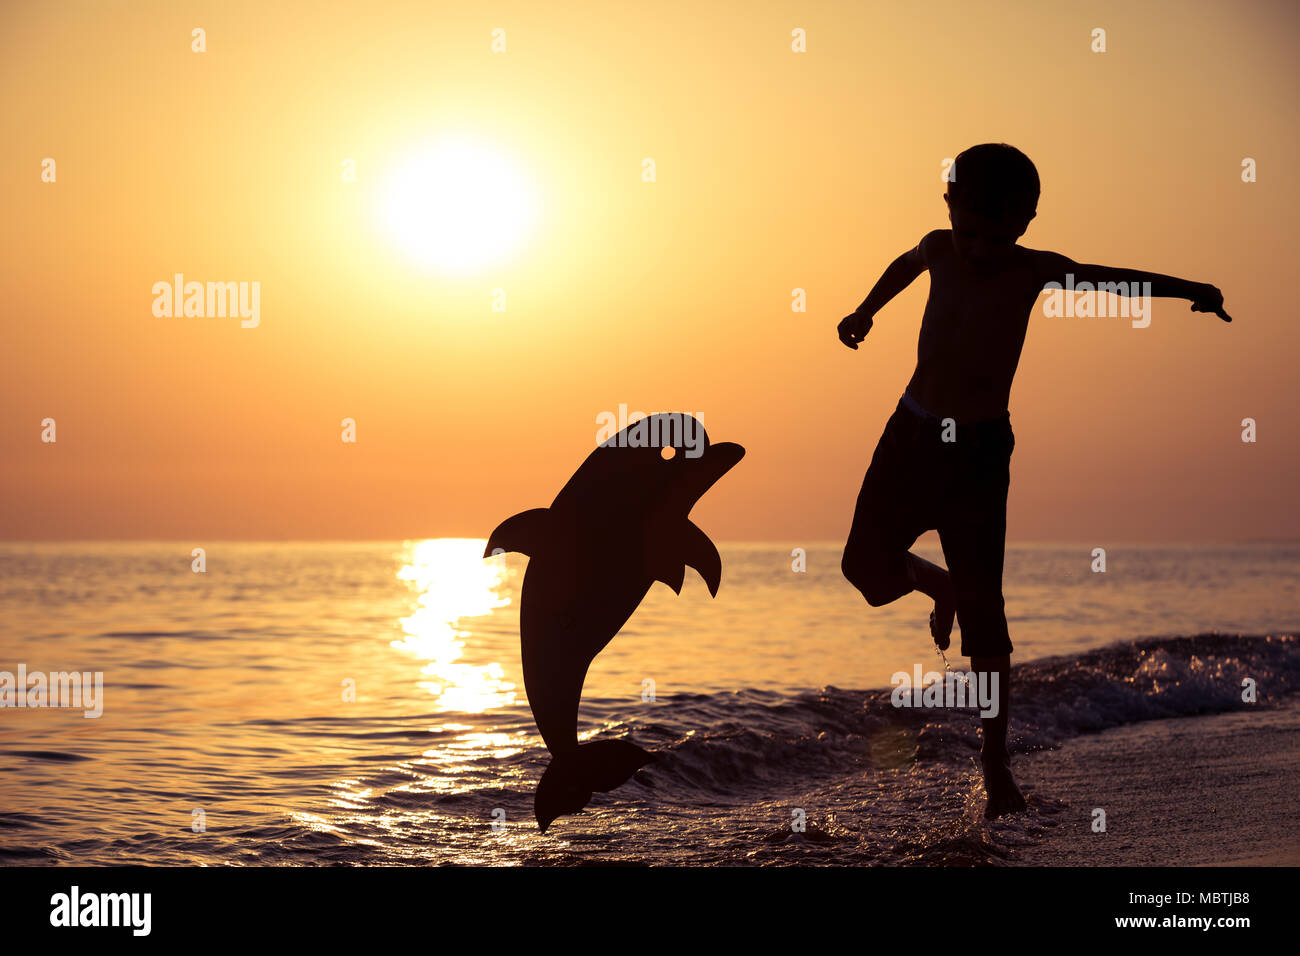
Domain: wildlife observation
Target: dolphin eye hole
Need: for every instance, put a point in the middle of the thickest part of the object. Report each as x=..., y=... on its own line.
x=667, y=453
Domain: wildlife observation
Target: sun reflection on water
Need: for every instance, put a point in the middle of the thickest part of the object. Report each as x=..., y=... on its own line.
x=455, y=582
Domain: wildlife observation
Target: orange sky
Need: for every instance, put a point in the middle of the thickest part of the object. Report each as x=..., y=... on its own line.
x=775, y=171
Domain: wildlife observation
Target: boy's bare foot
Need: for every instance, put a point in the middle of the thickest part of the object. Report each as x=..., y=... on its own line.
x=941, y=622
x=1004, y=796
x=933, y=581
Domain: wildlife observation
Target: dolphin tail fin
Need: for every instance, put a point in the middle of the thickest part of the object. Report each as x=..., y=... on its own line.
x=571, y=778
x=524, y=532
x=605, y=764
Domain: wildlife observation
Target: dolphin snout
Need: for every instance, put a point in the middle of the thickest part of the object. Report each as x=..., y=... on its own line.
x=725, y=454
x=717, y=460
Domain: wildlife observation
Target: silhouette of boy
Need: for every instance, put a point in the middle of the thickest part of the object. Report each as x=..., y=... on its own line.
x=943, y=460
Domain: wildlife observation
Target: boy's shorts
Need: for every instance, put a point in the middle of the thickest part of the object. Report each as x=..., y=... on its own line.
x=918, y=482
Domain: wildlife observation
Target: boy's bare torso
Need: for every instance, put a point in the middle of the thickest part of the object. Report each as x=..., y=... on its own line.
x=973, y=330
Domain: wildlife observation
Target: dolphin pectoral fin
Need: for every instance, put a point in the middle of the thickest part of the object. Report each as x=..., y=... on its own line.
x=525, y=532
x=701, y=554
x=664, y=559
x=680, y=546
x=668, y=569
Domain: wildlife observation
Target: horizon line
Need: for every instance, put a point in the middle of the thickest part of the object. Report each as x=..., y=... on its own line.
x=770, y=542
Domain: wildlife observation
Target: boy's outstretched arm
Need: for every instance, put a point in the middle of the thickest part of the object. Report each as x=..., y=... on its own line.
x=853, y=328
x=1203, y=296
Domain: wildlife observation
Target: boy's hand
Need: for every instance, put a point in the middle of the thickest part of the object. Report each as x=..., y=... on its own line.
x=853, y=328
x=1206, y=298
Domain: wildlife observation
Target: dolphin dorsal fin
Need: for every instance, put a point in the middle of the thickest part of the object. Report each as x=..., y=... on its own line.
x=681, y=545
x=525, y=532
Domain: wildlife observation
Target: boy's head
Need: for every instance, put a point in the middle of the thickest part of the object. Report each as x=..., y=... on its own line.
x=992, y=196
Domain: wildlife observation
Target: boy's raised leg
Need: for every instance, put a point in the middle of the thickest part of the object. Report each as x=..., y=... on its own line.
x=934, y=582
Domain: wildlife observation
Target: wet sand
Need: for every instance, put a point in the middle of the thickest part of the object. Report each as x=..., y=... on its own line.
x=1189, y=791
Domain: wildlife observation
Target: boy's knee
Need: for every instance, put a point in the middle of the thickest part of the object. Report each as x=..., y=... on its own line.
x=984, y=632
x=867, y=571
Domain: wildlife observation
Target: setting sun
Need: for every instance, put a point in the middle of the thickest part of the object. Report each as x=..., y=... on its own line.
x=456, y=205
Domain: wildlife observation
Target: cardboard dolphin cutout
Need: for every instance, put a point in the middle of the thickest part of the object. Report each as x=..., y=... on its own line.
x=619, y=524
